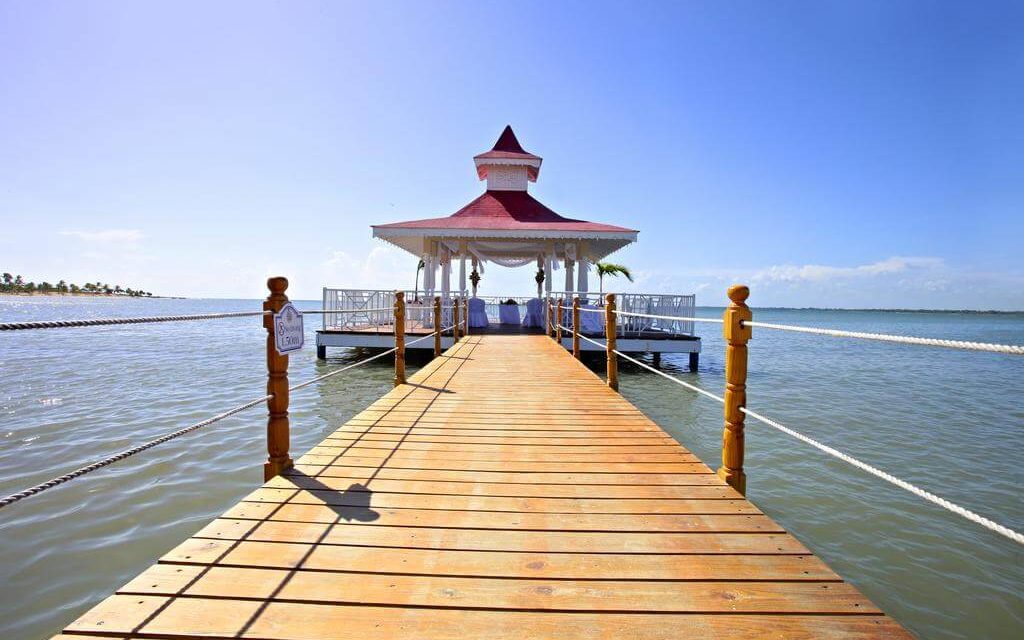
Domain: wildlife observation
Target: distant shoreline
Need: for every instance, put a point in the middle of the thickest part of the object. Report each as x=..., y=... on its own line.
x=83, y=294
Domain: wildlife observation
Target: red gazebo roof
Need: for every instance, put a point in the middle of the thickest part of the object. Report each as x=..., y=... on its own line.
x=506, y=211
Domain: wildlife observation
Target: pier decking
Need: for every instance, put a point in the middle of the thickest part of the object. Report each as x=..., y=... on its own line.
x=504, y=492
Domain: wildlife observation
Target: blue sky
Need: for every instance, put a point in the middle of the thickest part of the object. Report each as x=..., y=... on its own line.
x=858, y=154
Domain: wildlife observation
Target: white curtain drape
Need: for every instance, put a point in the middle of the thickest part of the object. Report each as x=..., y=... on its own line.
x=446, y=273
x=462, y=274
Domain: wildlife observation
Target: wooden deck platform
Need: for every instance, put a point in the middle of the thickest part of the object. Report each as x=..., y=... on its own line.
x=505, y=492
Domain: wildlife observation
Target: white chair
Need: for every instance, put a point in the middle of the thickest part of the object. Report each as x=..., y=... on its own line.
x=477, y=314
x=534, y=313
x=508, y=313
x=591, y=322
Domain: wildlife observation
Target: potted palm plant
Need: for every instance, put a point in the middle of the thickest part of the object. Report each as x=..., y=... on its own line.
x=610, y=269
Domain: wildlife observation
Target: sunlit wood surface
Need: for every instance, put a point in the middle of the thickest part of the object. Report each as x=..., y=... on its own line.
x=504, y=492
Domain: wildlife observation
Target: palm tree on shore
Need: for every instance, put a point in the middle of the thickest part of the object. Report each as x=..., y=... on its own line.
x=610, y=269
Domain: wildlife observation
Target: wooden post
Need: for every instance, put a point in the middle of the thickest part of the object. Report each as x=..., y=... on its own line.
x=558, y=323
x=437, y=326
x=465, y=316
x=456, y=325
x=551, y=314
x=576, y=327
x=609, y=336
x=736, y=335
x=278, y=459
x=399, y=338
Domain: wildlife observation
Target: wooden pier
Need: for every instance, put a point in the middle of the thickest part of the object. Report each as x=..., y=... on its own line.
x=504, y=491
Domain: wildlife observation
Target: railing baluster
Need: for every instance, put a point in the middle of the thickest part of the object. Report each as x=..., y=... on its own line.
x=399, y=338
x=609, y=335
x=437, y=326
x=278, y=435
x=456, y=325
x=736, y=335
x=551, y=312
x=576, y=327
x=558, y=323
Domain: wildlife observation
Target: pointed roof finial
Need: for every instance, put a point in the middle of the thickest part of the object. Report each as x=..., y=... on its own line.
x=509, y=153
x=507, y=141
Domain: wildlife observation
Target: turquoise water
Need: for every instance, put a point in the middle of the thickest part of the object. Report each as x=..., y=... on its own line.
x=950, y=421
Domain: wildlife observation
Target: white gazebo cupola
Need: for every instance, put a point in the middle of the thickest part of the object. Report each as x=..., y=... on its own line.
x=507, y=167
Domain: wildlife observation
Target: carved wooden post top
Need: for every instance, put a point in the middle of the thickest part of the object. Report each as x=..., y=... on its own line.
x=733, y=329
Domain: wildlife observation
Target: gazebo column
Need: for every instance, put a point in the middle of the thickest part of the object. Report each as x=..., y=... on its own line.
x=570, y=276
x=549, y=251
x=463, y=249
x=581, y=281
x=446, y=274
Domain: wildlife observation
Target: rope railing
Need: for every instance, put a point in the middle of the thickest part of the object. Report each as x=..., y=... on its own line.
x=65, y=324
x=933, y=342
x=952, y=507
x=839, y=333
x=95, y=322
x=59, y=480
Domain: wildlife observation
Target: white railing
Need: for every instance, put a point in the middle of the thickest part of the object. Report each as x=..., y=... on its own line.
x=372, y=310
x=662, y=304
x=369, y=310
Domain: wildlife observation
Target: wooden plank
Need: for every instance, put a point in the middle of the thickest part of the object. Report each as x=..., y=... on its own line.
x=505, y=593
x=698, y=474
x=363, y=515
x=504, y=492
x=499, y=539
x=705, y=490
x=576, y=566
x=347, y=497
x=509, y=466
x=227, y=618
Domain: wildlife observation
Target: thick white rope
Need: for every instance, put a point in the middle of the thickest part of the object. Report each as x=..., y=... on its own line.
x=891, y=479
x=863, y=466
x=934, y=342
x=64, y=324
x=59, y=480
x=362, y=362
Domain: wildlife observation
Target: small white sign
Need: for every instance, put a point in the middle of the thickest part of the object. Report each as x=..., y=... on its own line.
x=289, y=334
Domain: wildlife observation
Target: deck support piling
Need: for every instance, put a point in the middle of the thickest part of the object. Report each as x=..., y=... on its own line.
x=558, y=322
x=576, y=327
x=456, y=325
x=399, y=338
x=694, y=360
x=278, y=435
x=736, y=335
x=609, y=334
x=437, y=326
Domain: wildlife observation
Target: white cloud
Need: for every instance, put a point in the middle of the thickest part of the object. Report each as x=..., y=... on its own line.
x=106, y=235
x=819, y=273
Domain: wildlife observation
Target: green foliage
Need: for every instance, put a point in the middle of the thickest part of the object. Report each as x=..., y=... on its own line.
x=10, y=283
x=610, y=269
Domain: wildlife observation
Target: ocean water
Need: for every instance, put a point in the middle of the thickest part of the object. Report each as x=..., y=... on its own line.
x=949, y=421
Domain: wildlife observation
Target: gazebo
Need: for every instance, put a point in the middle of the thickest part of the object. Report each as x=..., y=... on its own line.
x=506, y=226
